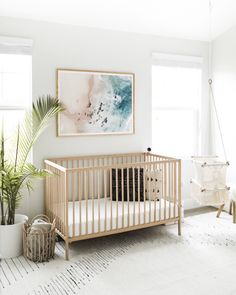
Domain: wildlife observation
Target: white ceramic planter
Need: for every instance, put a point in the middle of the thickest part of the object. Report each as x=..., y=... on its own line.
x=11, y=243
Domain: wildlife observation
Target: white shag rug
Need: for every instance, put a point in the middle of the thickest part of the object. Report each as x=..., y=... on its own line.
x=149, y=261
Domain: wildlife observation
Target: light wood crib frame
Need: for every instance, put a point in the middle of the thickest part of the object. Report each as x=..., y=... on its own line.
x=94, y=196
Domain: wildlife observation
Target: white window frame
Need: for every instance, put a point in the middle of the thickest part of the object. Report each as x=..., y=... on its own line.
x=183, y=61
x=18, y=46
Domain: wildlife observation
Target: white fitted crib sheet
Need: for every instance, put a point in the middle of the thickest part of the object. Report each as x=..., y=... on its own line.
x=106, y=207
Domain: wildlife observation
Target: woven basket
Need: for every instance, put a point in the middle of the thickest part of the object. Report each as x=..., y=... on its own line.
x=39, y=246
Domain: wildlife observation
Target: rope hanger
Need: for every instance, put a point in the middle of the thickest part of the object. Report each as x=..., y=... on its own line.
x=210, y=81
x=217, y=119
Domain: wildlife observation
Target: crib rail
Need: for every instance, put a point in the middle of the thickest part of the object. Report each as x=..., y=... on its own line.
x=101, y=195
x=56, y=201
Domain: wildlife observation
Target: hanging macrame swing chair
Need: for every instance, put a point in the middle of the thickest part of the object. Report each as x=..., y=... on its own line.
x=208, y=186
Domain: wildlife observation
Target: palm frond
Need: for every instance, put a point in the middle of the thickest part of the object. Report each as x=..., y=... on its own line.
x=15, y=172
x=35, y=123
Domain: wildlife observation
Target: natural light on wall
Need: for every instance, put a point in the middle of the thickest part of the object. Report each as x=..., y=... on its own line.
x=176, y=100
x=15, y=81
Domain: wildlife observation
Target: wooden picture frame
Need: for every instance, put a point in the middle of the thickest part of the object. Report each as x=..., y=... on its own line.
x=95, y=102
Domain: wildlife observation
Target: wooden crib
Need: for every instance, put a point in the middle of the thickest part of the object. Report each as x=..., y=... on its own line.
x=94, y=196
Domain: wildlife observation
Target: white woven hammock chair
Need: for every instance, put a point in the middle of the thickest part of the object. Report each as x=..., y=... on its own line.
x=208, y=185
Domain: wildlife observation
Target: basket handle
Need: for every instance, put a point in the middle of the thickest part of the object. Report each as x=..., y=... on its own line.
x=41, y=216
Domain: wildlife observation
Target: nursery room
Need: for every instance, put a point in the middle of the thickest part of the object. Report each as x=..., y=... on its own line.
x=117, y=149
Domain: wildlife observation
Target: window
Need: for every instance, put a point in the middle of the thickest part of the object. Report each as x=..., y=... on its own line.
x=176, y=101
x=15, y=82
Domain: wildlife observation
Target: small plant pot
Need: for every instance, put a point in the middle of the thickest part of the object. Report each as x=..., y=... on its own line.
x=11, y=238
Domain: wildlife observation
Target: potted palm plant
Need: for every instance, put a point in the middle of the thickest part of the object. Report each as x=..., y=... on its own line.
x=18, y=173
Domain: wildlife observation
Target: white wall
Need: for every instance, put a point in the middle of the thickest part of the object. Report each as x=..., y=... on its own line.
x=224, y=83
x=64, y=46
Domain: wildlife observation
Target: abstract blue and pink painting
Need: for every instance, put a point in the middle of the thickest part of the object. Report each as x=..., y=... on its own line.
x=95, y=102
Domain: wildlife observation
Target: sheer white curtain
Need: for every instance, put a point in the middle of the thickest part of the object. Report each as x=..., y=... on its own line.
x=15, y=79
x=179, y=110
x=14, y=45
x=15, y=88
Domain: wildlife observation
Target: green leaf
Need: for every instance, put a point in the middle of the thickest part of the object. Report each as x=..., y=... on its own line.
x=15, y=170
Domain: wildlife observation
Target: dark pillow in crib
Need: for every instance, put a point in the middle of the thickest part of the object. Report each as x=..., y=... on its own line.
x=137, y=186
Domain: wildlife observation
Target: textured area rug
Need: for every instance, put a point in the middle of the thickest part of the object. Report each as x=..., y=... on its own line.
x=149, y=261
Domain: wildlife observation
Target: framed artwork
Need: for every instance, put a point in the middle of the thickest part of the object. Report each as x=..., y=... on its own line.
x=95, y=102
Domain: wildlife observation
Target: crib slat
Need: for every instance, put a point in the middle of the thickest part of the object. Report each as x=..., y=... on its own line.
x=59, y=220
x=105, y=196
x=93, y=185
x=164, y=190
x=179, y=197
x=73, y=197
x=62, y=201
x=138, y=169
x=174, y=183
x=117, y=184
x=128, y=196
x=56, y=193
x=53, y=193
x=144, y=191
x=161, y=192
x=87, y=195
x=122, y=190
x=170, y=194
x=155, y=199
x=62, y=180
x=98, y=184
x=149, y=192
x=111, y=198
x=133, y=179
x=172, y=191
x=67, y=202
x=79, y=199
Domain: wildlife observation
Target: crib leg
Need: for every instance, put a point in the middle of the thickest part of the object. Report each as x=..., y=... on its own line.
x=234, y=211
x=66, y=250
x=220, y=210
x=179, y=227
x=230, y=207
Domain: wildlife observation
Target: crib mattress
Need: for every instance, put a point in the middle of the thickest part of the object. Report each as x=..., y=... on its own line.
x=109, y=210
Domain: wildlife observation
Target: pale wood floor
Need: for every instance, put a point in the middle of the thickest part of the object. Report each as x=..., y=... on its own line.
x=198, y=211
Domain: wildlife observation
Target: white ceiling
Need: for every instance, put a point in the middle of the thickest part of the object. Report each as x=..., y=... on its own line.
x=173, y=18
